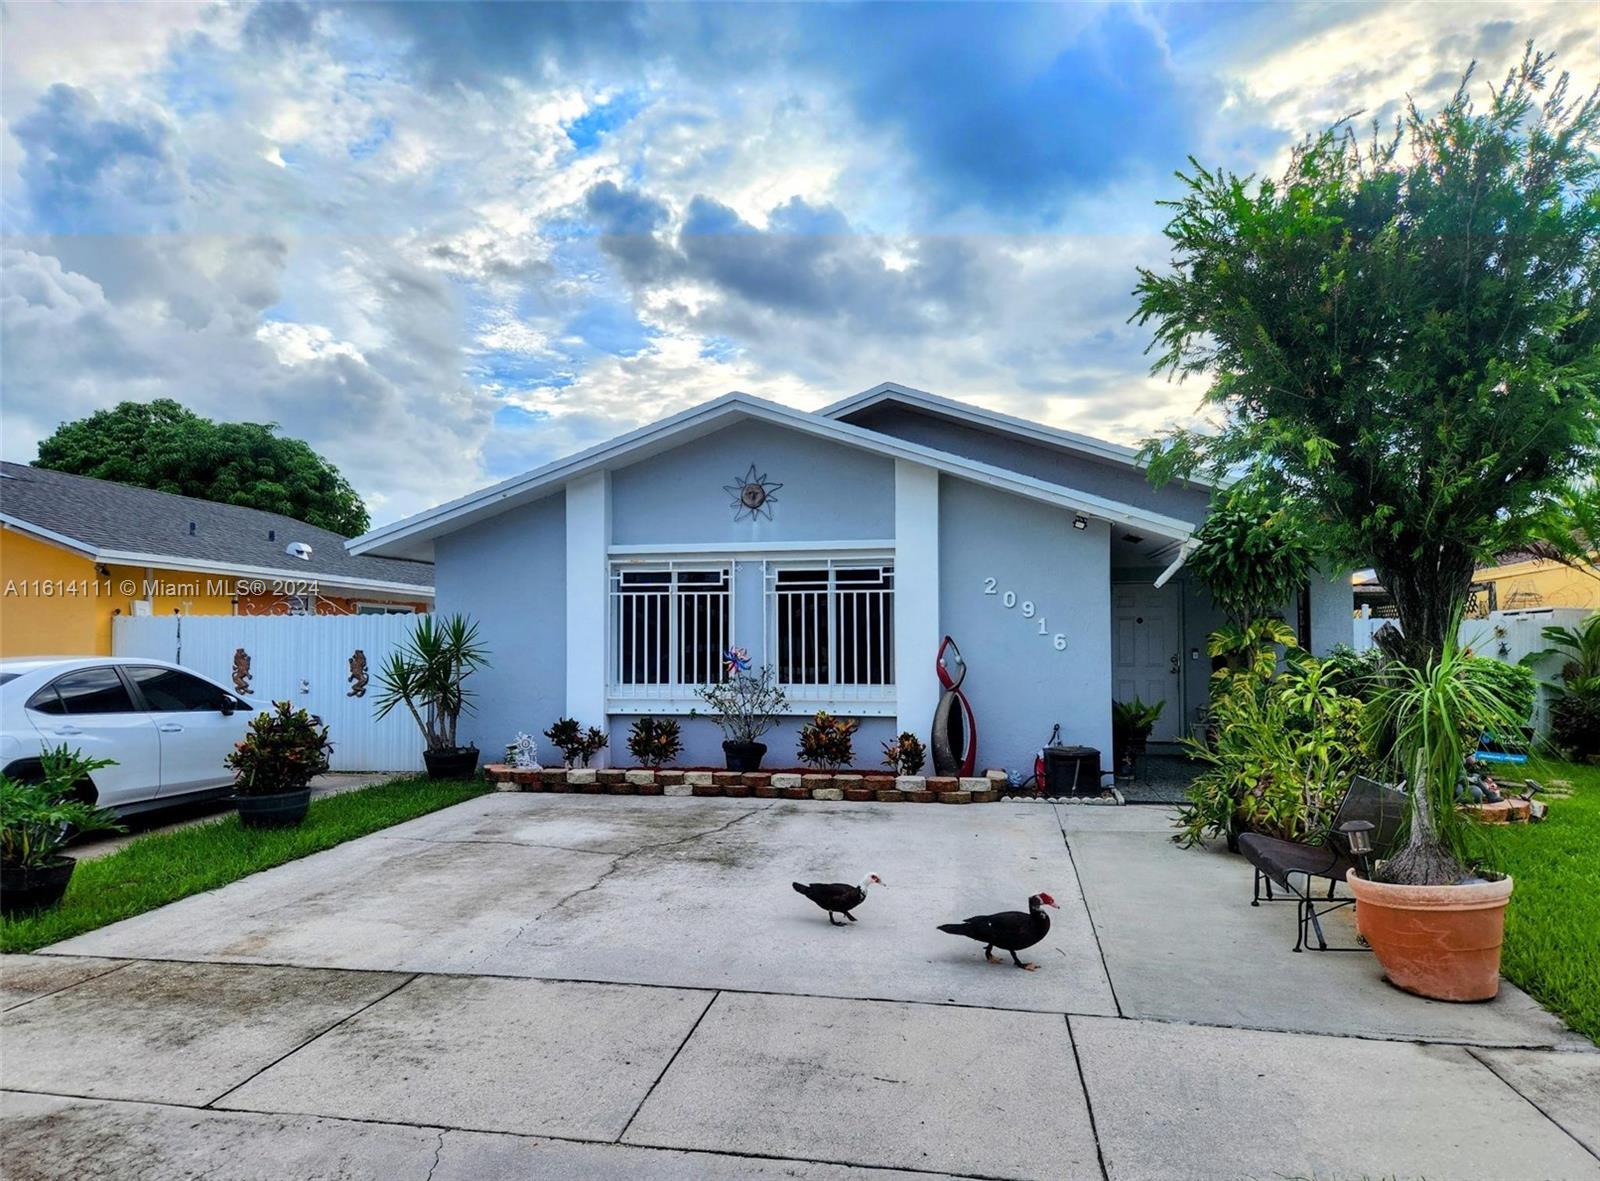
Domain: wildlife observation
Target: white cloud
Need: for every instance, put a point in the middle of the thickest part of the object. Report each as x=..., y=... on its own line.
x=380, y=261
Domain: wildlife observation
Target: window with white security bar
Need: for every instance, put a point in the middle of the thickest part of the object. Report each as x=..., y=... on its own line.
x=831, y=630
x=670, y=625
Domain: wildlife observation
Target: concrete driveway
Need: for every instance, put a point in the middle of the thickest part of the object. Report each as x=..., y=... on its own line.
x=591, y=986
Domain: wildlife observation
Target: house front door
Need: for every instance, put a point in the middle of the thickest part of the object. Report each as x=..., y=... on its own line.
x=1146, y=653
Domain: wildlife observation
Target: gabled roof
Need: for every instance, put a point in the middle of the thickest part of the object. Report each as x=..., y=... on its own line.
x=965, y=412
x=120, y=524
x=413, y=537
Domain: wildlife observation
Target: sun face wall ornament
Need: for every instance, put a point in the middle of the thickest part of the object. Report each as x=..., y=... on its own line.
x=753, y=495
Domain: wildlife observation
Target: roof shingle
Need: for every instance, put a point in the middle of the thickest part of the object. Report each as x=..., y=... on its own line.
x=119, y=517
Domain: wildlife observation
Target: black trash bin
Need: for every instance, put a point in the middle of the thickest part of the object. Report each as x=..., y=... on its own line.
x=1071, y=770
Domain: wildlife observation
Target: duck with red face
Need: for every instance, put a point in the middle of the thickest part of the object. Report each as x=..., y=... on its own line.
x=1011, y=930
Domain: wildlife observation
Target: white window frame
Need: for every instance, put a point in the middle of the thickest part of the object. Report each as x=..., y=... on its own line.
x=832, y=694
x=676, y=694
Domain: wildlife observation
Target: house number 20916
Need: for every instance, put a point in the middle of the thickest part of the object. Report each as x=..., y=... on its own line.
x=1009, y=600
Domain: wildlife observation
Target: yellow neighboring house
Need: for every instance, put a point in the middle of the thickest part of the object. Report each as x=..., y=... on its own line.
x=76, y=552
x=1521, y=581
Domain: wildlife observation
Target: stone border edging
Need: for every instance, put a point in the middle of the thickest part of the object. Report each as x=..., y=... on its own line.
x=823, y=786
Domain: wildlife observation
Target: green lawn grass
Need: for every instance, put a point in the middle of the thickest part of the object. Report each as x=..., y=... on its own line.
x=1552, y=947
x=163, y=867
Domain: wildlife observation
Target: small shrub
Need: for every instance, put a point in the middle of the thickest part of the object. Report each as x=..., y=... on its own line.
x=828, y=742
x=905, y=755
x=1280, y=754
x=745, y=706
x=38, y=819
x=1355, y=674
x=1575, y=722
x=654, y=741
x=281, y=752
x=577, y=745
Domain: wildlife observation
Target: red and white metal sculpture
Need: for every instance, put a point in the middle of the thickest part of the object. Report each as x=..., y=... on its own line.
x=955, y=730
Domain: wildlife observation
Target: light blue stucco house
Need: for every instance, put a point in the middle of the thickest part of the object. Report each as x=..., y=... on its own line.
x=839, y=547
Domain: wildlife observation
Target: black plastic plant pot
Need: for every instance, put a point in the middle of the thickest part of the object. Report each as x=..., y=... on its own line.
x=282, y=810
x=24, y=890
x=744, y=756
x=461, y=763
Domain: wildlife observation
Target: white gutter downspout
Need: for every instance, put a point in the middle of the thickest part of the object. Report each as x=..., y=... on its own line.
x=1184, y=551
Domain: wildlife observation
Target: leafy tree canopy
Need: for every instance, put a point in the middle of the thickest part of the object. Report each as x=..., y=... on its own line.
x=1402, y=335
x=164, y=446
x=1252, y=555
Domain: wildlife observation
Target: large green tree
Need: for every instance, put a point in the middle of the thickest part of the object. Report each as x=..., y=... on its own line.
x=1402, y=334
x=164, y=446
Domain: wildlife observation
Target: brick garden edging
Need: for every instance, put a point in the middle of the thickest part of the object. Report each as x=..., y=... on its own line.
x=854, y=786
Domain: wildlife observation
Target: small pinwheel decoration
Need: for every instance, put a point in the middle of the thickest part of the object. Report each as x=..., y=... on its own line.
x=736, y=661
x=752, y=495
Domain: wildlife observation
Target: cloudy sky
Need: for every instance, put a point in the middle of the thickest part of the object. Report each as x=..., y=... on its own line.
x=444, y=243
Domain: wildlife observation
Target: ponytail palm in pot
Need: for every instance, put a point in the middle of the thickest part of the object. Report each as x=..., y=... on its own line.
x=1434, y=912
x=427, y=674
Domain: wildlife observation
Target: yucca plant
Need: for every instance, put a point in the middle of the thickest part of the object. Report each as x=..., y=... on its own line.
x=1423, y=722
x=428, y=673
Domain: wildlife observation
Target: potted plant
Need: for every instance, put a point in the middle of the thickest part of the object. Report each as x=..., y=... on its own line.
x=36, y=821
x=428, y=673
x=654, y=741
x=745, y=706
x=1434, y=913
x=1131, y=723
x=905, y=754
x=282, y=751
x=577, y=745
x=828, y=742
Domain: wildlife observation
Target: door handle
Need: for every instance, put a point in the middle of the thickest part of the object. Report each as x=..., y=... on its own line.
x=171, y=728
x=68, y=730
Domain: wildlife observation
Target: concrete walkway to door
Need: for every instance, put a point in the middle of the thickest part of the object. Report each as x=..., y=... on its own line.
x=591, y=986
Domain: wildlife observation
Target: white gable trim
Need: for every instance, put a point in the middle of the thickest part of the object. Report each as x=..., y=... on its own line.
x=658, y=436
x=993, y=420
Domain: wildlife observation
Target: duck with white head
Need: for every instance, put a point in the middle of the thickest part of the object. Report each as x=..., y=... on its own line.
x=838, y=897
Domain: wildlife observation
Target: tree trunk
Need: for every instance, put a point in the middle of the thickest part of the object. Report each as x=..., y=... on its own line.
x=1429, y=591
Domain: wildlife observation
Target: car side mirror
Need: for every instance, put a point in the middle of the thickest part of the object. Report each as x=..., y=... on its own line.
x=228, y=706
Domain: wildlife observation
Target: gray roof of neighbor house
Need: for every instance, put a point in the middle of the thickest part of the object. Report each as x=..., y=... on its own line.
x=118, y=523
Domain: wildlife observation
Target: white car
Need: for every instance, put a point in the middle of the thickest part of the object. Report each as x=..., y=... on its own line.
x=168, y=728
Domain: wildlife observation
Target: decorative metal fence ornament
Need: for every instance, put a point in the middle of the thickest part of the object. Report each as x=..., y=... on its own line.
x=241, y=671
x=523, y=753
x=358, y=674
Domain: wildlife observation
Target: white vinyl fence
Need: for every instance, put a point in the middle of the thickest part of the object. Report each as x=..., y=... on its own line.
x=303, y=659
x=1504, y=635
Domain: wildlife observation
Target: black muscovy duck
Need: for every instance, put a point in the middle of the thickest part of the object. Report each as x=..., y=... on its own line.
x=1012, y=930
x=838, y=897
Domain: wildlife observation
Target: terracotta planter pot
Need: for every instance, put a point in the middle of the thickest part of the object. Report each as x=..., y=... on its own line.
x=1441, y=942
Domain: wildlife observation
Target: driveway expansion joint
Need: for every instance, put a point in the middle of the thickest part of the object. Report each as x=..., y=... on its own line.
x=76, y=983
x=212, y=1102
x=536, y=1137
x=1088, y=1100
x=656, y=1082
x=1472, y=1052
